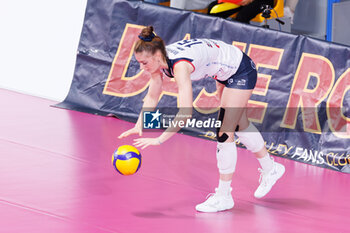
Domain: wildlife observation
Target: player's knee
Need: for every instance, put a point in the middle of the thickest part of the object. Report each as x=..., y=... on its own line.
x=251, y=138
x=223, y=136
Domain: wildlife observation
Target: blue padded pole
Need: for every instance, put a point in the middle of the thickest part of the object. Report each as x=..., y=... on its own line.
x=330, y=19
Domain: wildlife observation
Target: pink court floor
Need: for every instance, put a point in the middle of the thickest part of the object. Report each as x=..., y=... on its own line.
x=56, y=176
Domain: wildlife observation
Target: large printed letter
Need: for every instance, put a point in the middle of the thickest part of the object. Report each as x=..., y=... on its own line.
x=303, y=96
x=338, y=123
x=266, y=57
x=117, y=83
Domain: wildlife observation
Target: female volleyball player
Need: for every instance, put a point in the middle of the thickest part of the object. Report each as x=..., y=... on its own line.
x=236, y=76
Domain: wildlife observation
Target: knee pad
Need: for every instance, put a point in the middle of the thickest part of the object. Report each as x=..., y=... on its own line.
x=251, y=138
x=226, y=156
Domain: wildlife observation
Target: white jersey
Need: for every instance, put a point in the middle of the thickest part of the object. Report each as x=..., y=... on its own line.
x=209, y=58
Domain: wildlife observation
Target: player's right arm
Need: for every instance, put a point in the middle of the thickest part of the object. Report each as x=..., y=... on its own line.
x=150, y=103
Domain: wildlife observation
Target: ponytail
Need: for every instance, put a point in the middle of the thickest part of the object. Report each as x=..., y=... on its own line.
x=150, y=42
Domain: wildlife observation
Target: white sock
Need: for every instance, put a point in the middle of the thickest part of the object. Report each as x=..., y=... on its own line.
x=266, y=162
x=224, y=187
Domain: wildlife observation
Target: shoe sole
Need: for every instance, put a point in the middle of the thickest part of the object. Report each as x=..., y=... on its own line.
x=213, y=211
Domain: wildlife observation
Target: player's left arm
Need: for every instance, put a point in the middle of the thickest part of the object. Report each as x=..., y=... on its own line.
x=182, y=72
x=150, y=102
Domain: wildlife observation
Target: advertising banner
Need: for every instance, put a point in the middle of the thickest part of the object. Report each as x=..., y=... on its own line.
x=300, y=103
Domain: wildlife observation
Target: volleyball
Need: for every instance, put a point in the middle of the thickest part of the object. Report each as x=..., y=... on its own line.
x=126, y=160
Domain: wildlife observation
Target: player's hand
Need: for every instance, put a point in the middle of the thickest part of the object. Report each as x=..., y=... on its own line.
x=135, y=130
x=145, y=142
